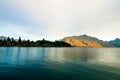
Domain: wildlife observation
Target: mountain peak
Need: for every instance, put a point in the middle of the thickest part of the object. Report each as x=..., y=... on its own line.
x=85, y=41
x=84, y=35
x=115, y=42
x=117, y=39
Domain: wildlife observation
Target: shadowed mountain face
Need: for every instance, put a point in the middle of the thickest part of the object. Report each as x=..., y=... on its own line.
x=3, y=38
x=85, y=41
x=115, y=42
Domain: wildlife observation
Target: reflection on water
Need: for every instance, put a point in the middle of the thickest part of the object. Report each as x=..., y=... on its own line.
x=72, y=62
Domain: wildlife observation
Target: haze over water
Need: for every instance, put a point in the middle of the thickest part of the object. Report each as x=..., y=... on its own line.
x=59, y=63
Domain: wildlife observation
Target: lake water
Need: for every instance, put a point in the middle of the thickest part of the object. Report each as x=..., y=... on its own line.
x=32, y=63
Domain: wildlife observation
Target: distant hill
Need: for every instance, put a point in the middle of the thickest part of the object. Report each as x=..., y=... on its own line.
x=85, y=41
x=3, y=38
x=115, y=42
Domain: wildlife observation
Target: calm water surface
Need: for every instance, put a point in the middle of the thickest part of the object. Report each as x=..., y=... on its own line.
x=22, y=63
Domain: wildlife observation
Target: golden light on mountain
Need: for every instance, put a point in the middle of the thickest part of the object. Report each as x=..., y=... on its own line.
x=85, y=41
x=82, y=43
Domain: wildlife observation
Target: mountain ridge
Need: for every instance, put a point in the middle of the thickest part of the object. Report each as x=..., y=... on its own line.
x=86, y=41
x=115, y=42
x=3, y=37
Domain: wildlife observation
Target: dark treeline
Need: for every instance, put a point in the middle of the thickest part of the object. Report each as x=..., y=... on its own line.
x=9, y=42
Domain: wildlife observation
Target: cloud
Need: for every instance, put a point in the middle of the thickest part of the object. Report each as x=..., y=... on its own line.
x=54, y=19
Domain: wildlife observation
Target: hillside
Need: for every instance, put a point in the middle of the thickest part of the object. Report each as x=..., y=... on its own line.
x=85, y=41
x=115, y=42
x=2, y=37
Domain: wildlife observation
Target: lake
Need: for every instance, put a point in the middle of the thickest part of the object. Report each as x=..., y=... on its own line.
x=35, y=63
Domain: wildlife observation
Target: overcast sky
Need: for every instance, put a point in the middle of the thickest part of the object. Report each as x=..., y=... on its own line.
x=55, y=19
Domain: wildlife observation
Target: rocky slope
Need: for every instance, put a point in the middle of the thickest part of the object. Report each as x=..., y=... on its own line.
x=85, y=41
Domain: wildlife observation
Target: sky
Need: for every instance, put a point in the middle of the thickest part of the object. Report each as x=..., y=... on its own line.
x=56, y=19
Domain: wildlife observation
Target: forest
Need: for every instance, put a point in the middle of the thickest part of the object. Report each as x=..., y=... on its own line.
x=11, y=42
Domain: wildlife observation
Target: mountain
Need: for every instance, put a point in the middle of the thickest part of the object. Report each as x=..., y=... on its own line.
x=3, y=38
x=85, y=41
x=115, y=42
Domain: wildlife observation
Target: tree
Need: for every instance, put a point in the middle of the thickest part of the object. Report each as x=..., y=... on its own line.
x=8, y=42
x=13, y=42
x=40, y=43
x=19, y=42
x=1, y=43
